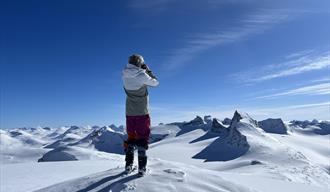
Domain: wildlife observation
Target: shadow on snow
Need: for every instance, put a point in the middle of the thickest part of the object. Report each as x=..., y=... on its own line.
x=218, y=150
x=115, y=186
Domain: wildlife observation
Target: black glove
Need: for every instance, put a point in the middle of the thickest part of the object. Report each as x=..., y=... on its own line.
x=148, y=71
x=151, y=74
x=145, y=66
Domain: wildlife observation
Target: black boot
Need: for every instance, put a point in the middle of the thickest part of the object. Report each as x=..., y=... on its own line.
x=142, y=160
x=142, y=165
x=129, y=158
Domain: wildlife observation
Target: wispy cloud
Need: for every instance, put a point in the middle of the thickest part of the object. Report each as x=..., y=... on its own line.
x=306, y=66
x=251, y=25
x=299, y=54
x=297, y=63
x=322, y=79
x=318, y=89
x=322, y=104
x=307, y=111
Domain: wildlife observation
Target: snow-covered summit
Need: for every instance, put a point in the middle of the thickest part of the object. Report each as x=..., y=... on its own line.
x=198, y=121
x=27, y=138
x=273, y=126
x=70, y=135
x=226, y=121
x=240, y=116
x=230, y=143
x=315, y=126
x=208, y=119
x=75, y=130
x=117, y=128
x=219, y=127
x=103, y=139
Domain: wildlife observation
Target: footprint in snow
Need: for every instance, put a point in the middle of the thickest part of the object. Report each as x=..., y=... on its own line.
x=177, y=174
x=123, y=187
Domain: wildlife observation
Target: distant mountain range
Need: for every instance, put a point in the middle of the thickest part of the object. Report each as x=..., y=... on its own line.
x=295, y=151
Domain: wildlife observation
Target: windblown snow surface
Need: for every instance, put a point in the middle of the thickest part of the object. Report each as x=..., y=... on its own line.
x=204, y=154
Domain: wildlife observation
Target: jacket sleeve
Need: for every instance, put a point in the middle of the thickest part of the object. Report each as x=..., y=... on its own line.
x=147, y=80
x=151, y=74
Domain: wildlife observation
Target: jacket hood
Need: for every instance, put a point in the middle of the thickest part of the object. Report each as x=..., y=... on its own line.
x=131, y=71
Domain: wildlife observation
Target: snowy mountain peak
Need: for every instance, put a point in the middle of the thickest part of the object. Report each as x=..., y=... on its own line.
x=26, y=137
x=230, y=143
x=218, y=127
x=208, y=119
x=315, y=126
x=103, y=139
x=117, y=129
x=315, y=121
x=98, y=132
x=226, y=121
x=273, y=126
x=75, y=130
x=197, y=121
x=74, y=127
x=46, y=128
x=243, y=117
x=95, y=127
x=236, y=138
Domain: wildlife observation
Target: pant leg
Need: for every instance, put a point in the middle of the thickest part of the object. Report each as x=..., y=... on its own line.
x=131, y=125
x=142, y=158
x=130, y=129
x=143, y=127
x=138, y=130
x=130, y=143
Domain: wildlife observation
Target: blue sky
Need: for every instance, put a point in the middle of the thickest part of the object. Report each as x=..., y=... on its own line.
x=61, y=61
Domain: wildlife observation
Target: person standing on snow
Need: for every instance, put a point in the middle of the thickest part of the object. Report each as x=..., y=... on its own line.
x=136, y=78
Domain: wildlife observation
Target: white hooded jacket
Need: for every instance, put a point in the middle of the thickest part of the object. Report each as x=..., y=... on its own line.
x=134, y=78
x=136, y=81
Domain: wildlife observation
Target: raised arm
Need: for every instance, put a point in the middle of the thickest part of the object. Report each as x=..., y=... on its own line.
x=148, y=80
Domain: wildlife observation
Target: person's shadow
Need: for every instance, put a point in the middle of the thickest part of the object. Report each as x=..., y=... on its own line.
x=115, y=186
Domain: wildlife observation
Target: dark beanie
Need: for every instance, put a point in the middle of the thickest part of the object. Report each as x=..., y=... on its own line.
x=136, y=59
